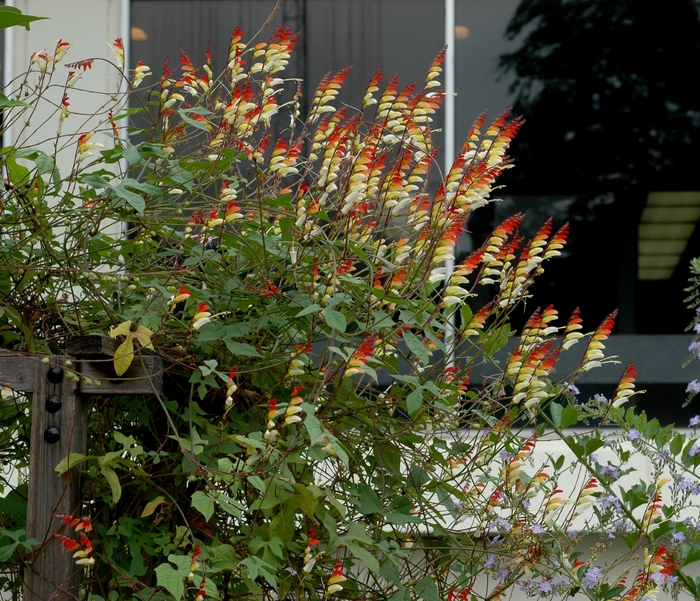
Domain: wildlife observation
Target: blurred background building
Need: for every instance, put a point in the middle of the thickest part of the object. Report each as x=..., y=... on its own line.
x=610, y=142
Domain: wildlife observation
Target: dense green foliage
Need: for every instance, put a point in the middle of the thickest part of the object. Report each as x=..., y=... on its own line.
x=318, y=434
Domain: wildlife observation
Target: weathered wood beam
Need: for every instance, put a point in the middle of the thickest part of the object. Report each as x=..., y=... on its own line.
x=96, y=353
x=17, y=371
x=59, y=427
x=136, y=379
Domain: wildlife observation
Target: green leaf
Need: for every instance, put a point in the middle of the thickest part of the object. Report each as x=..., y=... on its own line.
x=556, y=410
x=6, y=102
x=17, y=174
x=309, y=309
x=414, y=401
x=134, y=200
x=416, y=347
x=335, y=319
x=305, y=500
x=204, y=504
x=113, y=481
x=364, y=556
x=569, y=416
x=427, y=589
x=44, y=164
x=68, y=462
x=171, y=580
x=192, y=122
x=95, y=181
x=369, y=501
x=12, y=17
x=131, y=154
x=241, y=349
x=258, y=567
x=130, y=182
x=221, y=558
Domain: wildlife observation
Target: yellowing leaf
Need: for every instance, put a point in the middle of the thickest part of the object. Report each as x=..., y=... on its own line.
x=68, y=462
x=121, y=329
x=151, y=507
x=143, y=335
x=113, y=481
x=124, y=355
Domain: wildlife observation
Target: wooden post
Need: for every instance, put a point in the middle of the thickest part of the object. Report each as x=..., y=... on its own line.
x=59, y=427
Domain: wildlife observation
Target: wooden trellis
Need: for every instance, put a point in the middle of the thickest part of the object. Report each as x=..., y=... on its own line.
x=59, y=427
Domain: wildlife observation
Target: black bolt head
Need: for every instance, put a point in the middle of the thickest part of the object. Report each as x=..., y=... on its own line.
x=53, y=404
x=55, y=375
x=52, y=435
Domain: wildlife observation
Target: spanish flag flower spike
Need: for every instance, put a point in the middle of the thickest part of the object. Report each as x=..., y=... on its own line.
x=202, y=316
x=625, y=387
x=231, y=387
x=337, y=578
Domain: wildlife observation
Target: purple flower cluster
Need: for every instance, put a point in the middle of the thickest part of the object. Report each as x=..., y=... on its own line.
x=693, y=387
x=677, y=538
x=593, y=575
x=633, y=435
x=501, y=524
x=610, y=502
x=610, y=470
x=694, y=348
x=687, y=485
x=694, y=421
x=695, y=449
x=657, y=578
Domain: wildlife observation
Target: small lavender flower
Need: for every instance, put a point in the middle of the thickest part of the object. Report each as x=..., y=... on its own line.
x=686, y=484
x=693, y=387
x=594, y=457
x=600, y=399
x=571, y=388
x=677, y=537
x=610, y=470
x=696, y=328
x=657, y=578
x=695, y=449
x=671, y=580
x=526, y=504
x=503, y=573
x=501, y=524
x=545, y=587
x=538, y=529
x=633, y=435
x=592, y=576
x=525, y=585
x=491, y=561
x=694, y=348
x=694, y=421
x=610, y=502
